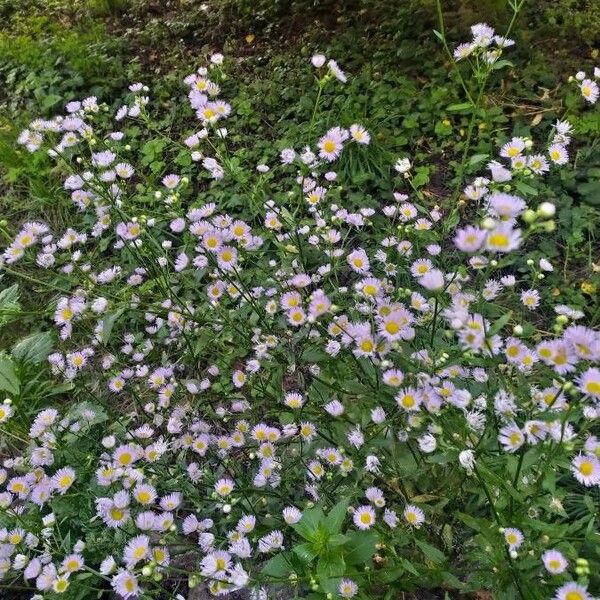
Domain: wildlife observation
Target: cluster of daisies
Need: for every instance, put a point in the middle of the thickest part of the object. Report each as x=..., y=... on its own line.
x=256, y=364
x=485, y=44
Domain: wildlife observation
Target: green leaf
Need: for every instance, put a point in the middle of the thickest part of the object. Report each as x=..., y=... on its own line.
x=307, y=526
x=109, y=322
x=9, y=297
x=336, y=516
x=431, y=552
x=478, y=158
x=9, y=303
x=33, y=349
x=330, y=569
x=525, y=189
x=305, y=552
x=9, y=381
x=500, y=64
x=278, y=566
x=362, y=547
x=459, y=107
x=500, y=323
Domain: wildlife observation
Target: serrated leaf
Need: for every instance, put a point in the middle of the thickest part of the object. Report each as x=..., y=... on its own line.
x=308, y=524
x=9, y=381
x=33, y=349
x=431, y=552
x=330, y=569
x=362, y=547
x=278, y=566
x=336, y=516
x=305, y=552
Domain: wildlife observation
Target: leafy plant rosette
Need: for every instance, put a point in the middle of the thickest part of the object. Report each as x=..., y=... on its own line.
x=273, y=382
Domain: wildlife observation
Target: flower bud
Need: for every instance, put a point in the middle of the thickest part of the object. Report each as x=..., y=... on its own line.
x=318, y=60
x=546, y=210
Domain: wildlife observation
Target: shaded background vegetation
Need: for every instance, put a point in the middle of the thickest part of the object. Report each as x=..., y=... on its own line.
x=52, y=51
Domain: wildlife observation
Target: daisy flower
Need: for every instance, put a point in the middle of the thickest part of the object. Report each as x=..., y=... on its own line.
x=63, y=479
x=364, y=517
x=588, y=383
x=586, y=469
x=358, y=261
x=554, y=562
x=513, y=537
x=511, y=437
x=359, y=134
x=558, y=154
x=347, y=588
x=513, y=148
x=530, y=299
x=335, y=70
x=589, y=90
x=571, y=591
x=413, y=515
x=291, y=515
x=224, y=487
x=125, y=584
x=330, y=145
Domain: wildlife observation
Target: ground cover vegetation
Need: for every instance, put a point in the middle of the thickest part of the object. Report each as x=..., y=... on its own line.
x=299, y=299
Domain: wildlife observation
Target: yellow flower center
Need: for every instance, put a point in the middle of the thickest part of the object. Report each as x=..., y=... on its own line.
x=392, y=327
x=125, y=458
x=116, y=514
x=329, y=146
x=143, y=497
x=65, y=481
x=593, y=387
x=408, y=401
x=498, y=240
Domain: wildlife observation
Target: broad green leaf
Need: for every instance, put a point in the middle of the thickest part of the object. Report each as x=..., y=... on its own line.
x=336, y=516
x=309, y=522
x=9, y=297
x=431, y=552
x=330, y=569
x=278, y=566
x=109, y=322
x=33, y=349
x=478, y=158
x=305, y=552
x=362, y=547
x=9, y=381
x=525, y=189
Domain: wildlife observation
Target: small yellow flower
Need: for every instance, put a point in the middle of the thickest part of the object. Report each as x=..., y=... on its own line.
x=589, y=288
